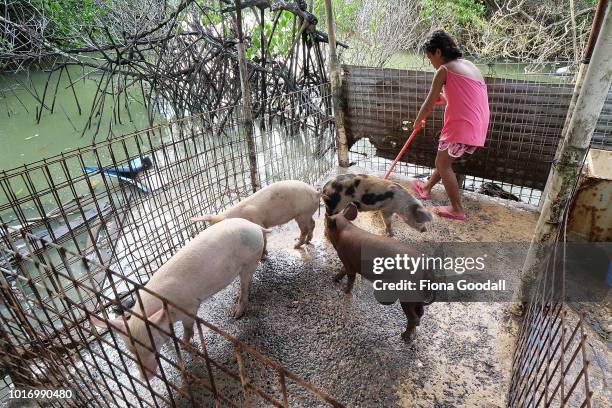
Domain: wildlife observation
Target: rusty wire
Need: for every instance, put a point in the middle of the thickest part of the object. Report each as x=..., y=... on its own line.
x=76, y=243
x=550, y=365
x=114, y=237
x=528, y=111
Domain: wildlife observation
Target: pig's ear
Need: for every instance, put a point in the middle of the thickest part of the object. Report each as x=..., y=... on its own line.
x=421, y=215
x=350, y=212
x=115, y=324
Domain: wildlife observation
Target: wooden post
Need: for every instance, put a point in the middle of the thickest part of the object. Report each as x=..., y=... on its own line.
x=584, y=63
x=572, y=153
x=336, y=88
x=246, y=99
x=574, y=39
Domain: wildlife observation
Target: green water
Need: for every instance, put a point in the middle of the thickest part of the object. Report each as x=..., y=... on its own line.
x=23, y=140
x=510, y=70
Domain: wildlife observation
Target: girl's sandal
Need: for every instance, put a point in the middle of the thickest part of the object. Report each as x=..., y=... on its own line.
x=443, y=212
x=419, y=190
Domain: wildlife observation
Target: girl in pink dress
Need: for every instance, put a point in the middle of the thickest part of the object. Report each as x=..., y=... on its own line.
x=459, y=85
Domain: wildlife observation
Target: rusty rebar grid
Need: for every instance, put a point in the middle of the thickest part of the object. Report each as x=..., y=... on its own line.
x=77, y=243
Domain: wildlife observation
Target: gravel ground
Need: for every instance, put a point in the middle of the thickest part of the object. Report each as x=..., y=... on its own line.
x=349, y=345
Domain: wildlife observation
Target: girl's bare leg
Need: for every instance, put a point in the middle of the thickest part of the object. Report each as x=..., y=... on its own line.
x=444, y=167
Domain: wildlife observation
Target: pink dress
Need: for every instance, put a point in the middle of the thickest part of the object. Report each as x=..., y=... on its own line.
x=466, y=116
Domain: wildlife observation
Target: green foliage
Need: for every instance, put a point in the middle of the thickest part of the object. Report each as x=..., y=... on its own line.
x=212, y=18
x=67, y=17
x=462, y=13
x=454, y=15
x=345, y=12
x=280, y=42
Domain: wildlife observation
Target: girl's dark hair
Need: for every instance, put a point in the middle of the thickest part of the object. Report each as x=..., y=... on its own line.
x=441, y=40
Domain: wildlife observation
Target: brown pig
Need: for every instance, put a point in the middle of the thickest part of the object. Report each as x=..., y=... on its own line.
x=349, y=241
x=370, y=193
x=274, y=205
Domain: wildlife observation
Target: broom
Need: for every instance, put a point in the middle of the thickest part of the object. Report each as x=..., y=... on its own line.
x=403, y=151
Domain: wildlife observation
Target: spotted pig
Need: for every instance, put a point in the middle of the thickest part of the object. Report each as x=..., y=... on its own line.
x=370, y=193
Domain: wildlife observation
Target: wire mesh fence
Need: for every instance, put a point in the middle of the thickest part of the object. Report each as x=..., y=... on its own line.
x=551, y=364
x=528, y=110
x=602, y=137
x=84, y=231
x=57, y=346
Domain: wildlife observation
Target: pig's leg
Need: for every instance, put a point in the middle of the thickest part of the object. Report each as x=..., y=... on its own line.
x=245, y=281
x=311, y=227
x=350, y=281
x=303, y=224
x=187, y=329
x=187, y=335
x=414, y=318
x=338, y=277
x=387, y=216
x=264, y=253
x=420, y=311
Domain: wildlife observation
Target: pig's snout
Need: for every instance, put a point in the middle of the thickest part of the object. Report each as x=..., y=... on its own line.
x=418, y=218
x=415, y=225
x=419, y=227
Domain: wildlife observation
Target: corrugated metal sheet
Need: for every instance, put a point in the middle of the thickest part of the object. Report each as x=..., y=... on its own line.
x=591, y=213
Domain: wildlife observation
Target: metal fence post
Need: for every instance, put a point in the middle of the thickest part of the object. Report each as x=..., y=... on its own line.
x=336, y=85
x=572, y=152
x=246, y=99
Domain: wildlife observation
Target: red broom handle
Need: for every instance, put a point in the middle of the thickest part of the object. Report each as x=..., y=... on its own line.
x=401, y=153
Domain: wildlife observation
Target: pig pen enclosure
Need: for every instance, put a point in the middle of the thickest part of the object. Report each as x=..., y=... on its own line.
x=81, y=232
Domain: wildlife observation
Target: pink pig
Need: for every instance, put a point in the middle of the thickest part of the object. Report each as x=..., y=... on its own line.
x=274, y=205
x=203, y=267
